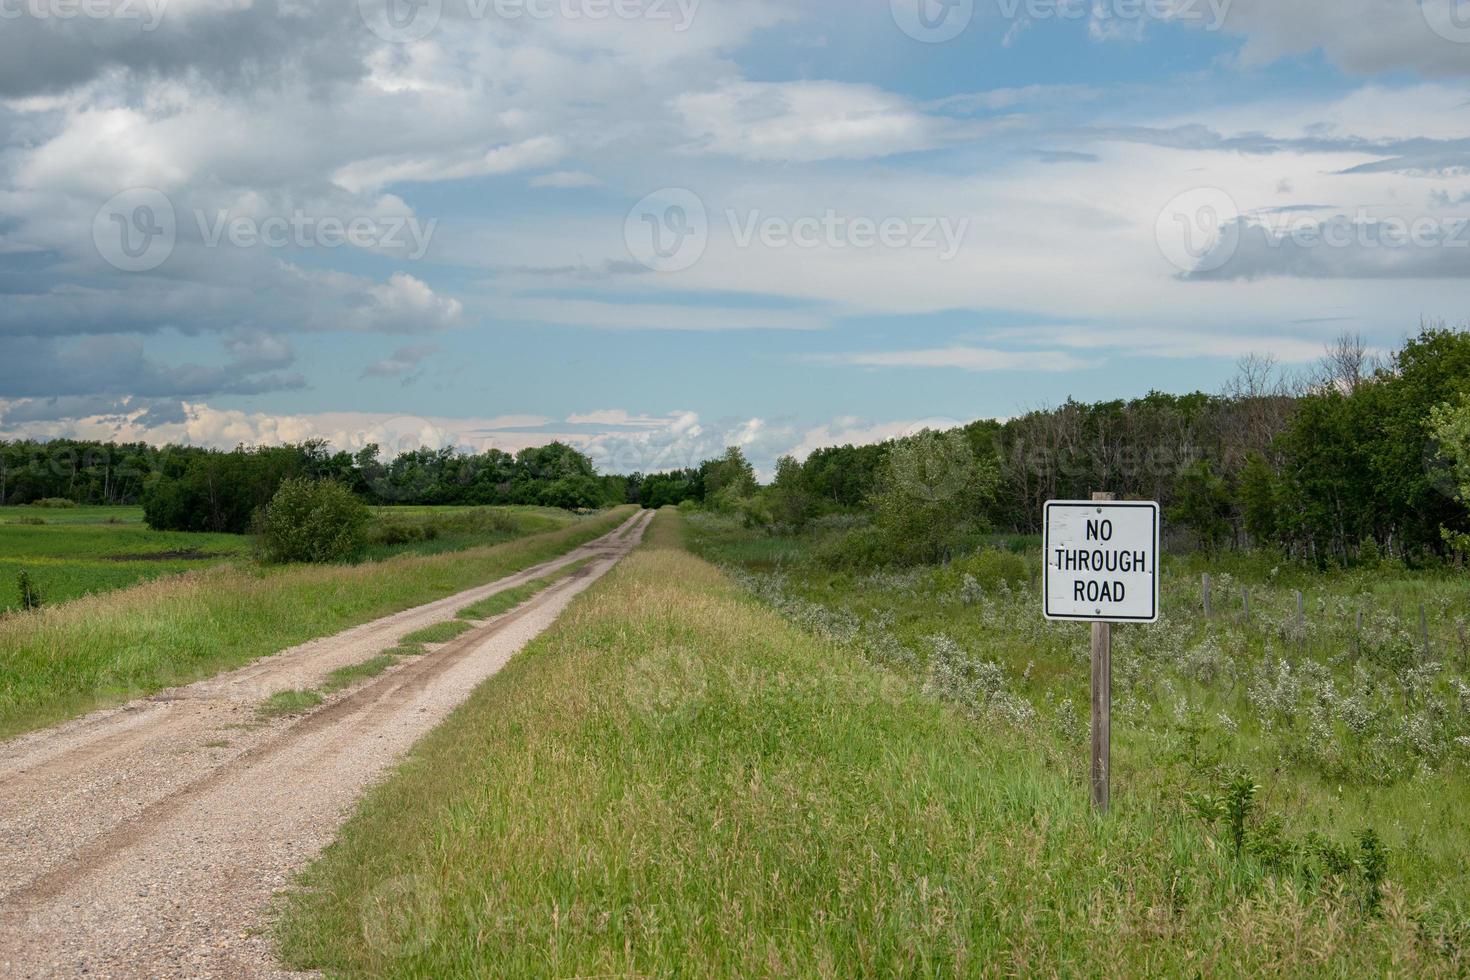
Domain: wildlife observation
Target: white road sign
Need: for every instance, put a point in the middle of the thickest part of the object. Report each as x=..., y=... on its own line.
x=1102, y=561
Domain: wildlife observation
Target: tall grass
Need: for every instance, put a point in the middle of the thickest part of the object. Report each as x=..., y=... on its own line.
x=676, y=781
x=61, y=661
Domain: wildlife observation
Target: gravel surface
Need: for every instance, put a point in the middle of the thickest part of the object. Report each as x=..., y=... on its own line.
x=148, y=840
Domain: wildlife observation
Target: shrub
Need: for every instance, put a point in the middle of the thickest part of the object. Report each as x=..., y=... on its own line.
x=932, y=491
x=30, y=596
x=857, y=550
x=401, y=532
x=312, y=521
x=986, y=569
x=54, y=503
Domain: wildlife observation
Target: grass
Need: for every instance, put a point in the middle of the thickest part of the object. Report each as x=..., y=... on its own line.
x=677, y=780
x=1344, y=731
x=78, y=551
x=438, y=633
x=503, y=602
x=64, y=660
x=352, y=673
x=438, y=530
x=85, y=550
x=284, y=703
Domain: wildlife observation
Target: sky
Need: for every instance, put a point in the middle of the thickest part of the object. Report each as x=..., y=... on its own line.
x=654, y=228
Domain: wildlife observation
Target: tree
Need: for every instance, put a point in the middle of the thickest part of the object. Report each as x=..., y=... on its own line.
x=1203, y=505
x=791, y=503
x=728, y=479
x=931, y=492
x=312, y=521
x=1258, y=499
x=1450, y=425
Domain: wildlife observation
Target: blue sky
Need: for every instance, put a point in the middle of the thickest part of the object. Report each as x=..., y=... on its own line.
x=657, y=227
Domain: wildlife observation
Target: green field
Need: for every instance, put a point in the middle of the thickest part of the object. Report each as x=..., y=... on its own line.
x=95, y=549
x=83, y=550
x=67, y=658
x=795, y=777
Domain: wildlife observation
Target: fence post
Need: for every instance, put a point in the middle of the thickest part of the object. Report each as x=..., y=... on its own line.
x=1102, y=706
x=1205, y=582
x=1424, y=630
x=1245, y=603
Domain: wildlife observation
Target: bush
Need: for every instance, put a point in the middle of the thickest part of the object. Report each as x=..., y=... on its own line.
x=312, y=521
x=30, y=596
x=987, y=569
x=932, y=491
x=54, y=503
x=860, y=549
x=394, y=533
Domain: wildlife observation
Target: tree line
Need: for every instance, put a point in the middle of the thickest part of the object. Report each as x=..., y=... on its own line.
x=1360, y=458
x=190, y=488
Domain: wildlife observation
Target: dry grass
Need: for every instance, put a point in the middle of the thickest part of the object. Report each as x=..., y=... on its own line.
x=675, y=781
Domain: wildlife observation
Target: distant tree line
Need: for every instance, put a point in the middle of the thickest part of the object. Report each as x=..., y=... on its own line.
x=195, y=489
x=1357, y=460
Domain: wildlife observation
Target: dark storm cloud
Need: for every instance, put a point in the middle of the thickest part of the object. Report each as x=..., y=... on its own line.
x=246, y=47
x=109, y=367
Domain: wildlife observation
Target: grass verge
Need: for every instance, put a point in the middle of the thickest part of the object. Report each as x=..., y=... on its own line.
x=437, y=633
x=502, y=602
x=674, y=780
x=284, y=703
x=62, y=661
x=352, y=673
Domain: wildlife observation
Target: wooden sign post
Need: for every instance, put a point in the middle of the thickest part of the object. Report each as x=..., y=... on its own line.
x=1101, y=567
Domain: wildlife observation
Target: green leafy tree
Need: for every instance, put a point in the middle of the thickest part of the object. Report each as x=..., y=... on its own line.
x=312, y=521
x=1258, y=500
x=729, y=480
x=1202, y=504
x=1450, y=425
x=932, y=491
x=791, y=503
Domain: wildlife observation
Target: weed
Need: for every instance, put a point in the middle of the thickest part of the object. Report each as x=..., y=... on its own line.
x=30, y=596
x=438, y=633
x=285, y=703
x=352, y=673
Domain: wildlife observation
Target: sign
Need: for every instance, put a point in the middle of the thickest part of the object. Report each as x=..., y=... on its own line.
x=1101, y=561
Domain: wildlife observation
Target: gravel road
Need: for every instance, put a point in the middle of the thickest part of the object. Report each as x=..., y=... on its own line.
x=148, y=840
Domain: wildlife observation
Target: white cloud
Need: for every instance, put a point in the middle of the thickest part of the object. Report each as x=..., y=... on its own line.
x=963, y=358
x=566, y=179
x=600, y=315
x=402, y=364
x=805, y=121
x=524, y=155
x=407, y=305
x=1364, y=36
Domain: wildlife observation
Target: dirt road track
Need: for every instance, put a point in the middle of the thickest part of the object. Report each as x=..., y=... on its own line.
x=147, y=840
